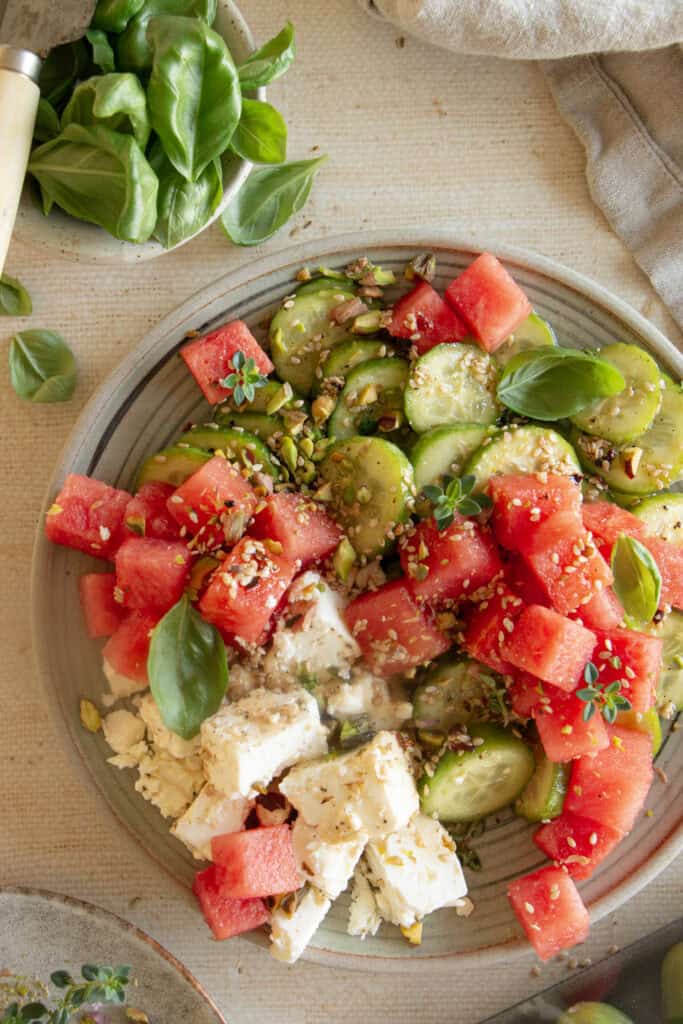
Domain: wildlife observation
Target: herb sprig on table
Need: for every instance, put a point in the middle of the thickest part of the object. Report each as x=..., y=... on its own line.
x=99, y=985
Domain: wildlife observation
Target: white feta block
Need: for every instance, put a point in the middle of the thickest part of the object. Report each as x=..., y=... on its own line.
x=121, y=686
x=414, y=871
x=292, y=928
x=247, y=743
x=211, y=814
x=122, y=730
x=369, y=695
x=368, y=791
x=159, y=735
x=168, y=782
x=327, y=866
x=364, y=917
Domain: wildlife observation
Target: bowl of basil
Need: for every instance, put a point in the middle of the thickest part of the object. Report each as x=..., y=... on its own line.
x=148, y=127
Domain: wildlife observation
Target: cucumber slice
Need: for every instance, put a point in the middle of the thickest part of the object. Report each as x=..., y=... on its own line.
x=593, y=1013
x=452, y=693
x=258, y=423
x=373, y=394
x=471, y=784
x=324, y=284
x=663, y=516
x=670, y=686
x=643, y=721
x=344, y=357
x=652, y=462
x=301, y=332
x=171, y=466
x=522, y=450
x=452, y=383
x=443, y=451
x=238, y=445
x=626, y=415
x=535, y=332
x=543, y=797
x=672, y=985
x=371, y=490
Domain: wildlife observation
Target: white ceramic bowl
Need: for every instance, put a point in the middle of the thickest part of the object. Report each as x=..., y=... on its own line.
x=63, y=235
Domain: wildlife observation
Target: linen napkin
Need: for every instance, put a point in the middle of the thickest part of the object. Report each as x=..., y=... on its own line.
x=626, y=107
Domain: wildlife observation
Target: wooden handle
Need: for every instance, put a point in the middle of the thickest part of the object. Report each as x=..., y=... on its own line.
x=18, y=107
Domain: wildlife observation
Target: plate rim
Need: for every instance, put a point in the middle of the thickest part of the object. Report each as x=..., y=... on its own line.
x=294, y=257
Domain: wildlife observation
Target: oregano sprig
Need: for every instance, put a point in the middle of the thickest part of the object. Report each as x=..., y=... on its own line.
x=105, y=985
x=244, y=380
x=606, y=699
x=455, y=496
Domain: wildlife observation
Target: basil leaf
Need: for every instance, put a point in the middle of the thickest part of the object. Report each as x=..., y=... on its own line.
x=134, y=50
x=268, y=198
x=99, y=176
x=14, y=299
x=116, y=101
x=272, y=60
x=554, y=384
x=61, y=69
x=188, y=669
x=47, y=122
x=637, y=580
x=261, y=135
x=114, y=15
x=183, y=207
x=41, y=366
x=102, y=53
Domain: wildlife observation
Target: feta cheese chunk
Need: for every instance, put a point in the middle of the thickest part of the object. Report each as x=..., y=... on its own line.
x=327, y=866
x=169, y=782
x=364, y=917
x=211, y=814
x=122, y=730
x=293, y=927
x=369, y=695
x=246, y=743
x=120, y=686
x=414, y=871
x=368, y=791
x=159, y=735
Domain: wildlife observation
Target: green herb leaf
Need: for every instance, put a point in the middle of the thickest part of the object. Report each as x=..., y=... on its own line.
x=194, y=93
x=14, y=299
x=188, y=669
x=116, y=101
x=33, y=1011
x=134, y=52
x=261, y=135
x=47, y=122
x=590, y=673
x=184, y=206
x=270, y=61
x=553, y=383
x=42, y=367
x=102, y=52
x=268, y=198
x=62, y=68
x=89, y=972
x=637, y=580
x=61, y=979
x=114, y=15
x=455, y=496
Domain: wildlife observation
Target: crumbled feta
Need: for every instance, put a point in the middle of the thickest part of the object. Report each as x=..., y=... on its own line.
x=369, y=695
x=369, y=790
x=293, y=927
x=120, y=686
x=242, y=681
x=414, y=871
x=159, y=735
x=131, y=758
x=122, y=730
x=211, y=814
x=364, y=918
x=169, y=782
x=327, y=866
x=249, y=742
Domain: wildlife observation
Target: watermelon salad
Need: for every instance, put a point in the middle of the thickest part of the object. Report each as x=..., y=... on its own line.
x=419, y=564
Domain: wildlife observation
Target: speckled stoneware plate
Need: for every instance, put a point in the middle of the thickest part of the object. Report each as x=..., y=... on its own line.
x=41, y=932
x=143, y=406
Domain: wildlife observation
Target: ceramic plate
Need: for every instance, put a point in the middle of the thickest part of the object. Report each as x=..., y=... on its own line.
x=41, y=932
x=143, y=406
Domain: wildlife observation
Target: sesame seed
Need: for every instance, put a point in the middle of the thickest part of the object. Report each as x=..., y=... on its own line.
x=529, y=907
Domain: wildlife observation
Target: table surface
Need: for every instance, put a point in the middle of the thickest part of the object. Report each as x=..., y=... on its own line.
x=416, y=138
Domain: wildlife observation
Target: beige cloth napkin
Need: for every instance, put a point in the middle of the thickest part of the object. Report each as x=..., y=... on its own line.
x=625, y=107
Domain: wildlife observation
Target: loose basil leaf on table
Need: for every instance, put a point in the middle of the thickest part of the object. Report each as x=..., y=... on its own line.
x=188, y=669
x=14, y=299
x=47, y=122
x=194, y=95
x=134, y=51
x=183, y=207
x=42, y=366
x=637, y=580
x=114, y=15
x=552, y=384
x=261, y=135
x=100, y=176
x=62, y=68
x=270, y=61
x=116, y=101
x=268, y=198
x=102, y=52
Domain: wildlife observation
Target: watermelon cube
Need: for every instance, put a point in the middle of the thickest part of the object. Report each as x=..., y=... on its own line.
x=303, y=529
x=127, y=648
x=489, y=301
x=524, y=580
x=151, y=574
x=451, y=565
x=550, y=910
x=209, y=359
x=225, y=915
x=425, y=319
x=522, y=502
x=214, y=505
x=87, y=515
x=603, y=611
x=607, y=521
x=549, y=646
x=530, y=696
x=486, y=627
x=258, y=862
x=634, y=659
x=564, y=733
x=669, y=559
x=102, y=613
x=564, y=557
x=147, y=514
x=610, y=787
x=575, y=843
x=394, y=633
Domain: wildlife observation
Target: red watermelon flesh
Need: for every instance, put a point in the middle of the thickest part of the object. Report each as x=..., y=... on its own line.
x=607, y=521
x=151, y=574
x=87, y=515
x=549, y=646
x=126, y=649
x=489, y=301
x=669, y=559
x=603, y=611
x=147, y=514
x=303, y=529
x=214, y=505
x=258, y=862
x=425, y=319
x=634, y=659
x=524, y=580
x=102, y=613
x=451, y=565
x=209, y=358
x=575, y=843
x=225, y=915
x=549, y=908
x=487, y=624
x=564, y=733
x=522, y=502
x=564, y=557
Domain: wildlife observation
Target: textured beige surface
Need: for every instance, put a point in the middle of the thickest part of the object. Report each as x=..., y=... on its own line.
x=416, y=137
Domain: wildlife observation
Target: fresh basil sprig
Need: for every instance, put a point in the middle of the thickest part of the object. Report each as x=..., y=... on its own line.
x=244, y=379
x=270, y=61
x=42, y=367
x=606, y=699
x=637, y=580
x=14, y=299
x=188, y=669
x=114, y=15
x=46, y=127
x=183, y=207
x=267, y=200
x=102, y=52
x=99, y=985
x=116, y=101
x=261, y=135
x=554, y=383
x=455, y=496
x=134, y=50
